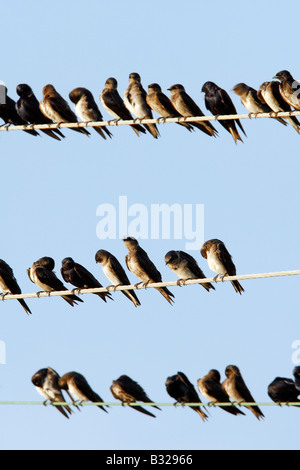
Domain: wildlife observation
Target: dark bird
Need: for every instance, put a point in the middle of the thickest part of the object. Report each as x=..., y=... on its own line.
x=289, y=88
x=251, y=101
x=115, y=272
x=283, y=390
x=77, y=385
x=220, y=261
x=219, y=103
x=135, y=101
x=236, y=389
x=183, y=391
x=28, y=109
x=128, y=391
x=269, y=93
x=87, y=109
x=46, y=383
x=210, y=387
x=185, y=267
x=56, y=108
x=113, y=103
x=296, y=374
x=138, y=262
x=80, y=277
x=9, y=284
x=9, y=114
x=187, y=107
x=41, y=273
x=162, y=105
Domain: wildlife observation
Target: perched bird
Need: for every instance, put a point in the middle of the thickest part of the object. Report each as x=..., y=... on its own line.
x=55, y=107
x=78, y=386
x=296, y=374
x=236, y=389
x=269, y=93
x=113, y=103
x=187, y=107
x=162, y=105
x=183, y=391
x=9, y=284
x=220, y=261
x=115, y=272
x=28, y=109
x=289, y=88
x=185, y=267
x=210, y=387
x=87, y=109
x=138, y=262
x=283, y=390
x=9, y=114
x=41, y=273
x=128, y=391
x=218, y=102
x=80, y=277
x=135, y=102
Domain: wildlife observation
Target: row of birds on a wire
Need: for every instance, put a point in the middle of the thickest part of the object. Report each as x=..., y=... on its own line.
x=273, y=96
x=281, y=390
x=138, y=263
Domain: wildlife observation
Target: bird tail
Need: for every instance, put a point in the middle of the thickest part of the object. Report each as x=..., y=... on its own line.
x=294, y=122
x=207, y=286
x=72, y=299
x=257, y=412
x=237, y=287
x=25, y=306
x=143, y=410
x=233, y=410
x=236, y=136
x=205, y=127
x=82, y=130
x=241, y=127
x=100, y=130
x=137, y=129
x=200, y=412
x=132, y=296
x=166, y=293
x=50, y=133
x=153, y=130
x=104, y=295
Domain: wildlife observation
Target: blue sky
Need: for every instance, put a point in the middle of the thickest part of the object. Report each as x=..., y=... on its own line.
x=51, y=191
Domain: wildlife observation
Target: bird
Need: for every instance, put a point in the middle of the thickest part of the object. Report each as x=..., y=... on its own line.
x=220, y=261
x=77, y=385
x=218, y=102
x=236, y=389
x=80, y=277
x=252, y=103
x=129, y=391
x=135, y=102
x=56, y=108
x=115, y=272
x=269, y=93
x=113, y=103
x=183, y=391
x=161, y=104
x=28, y=109
x=138, y=262
x=210, y=387
x=87, y=109
x=296, y=374
x=185, y=267
x=282, y=390
x=9, y=284
x=289, y=88
x=46, y=383
x=187, y=107
x=41, y=273
x=9, y=115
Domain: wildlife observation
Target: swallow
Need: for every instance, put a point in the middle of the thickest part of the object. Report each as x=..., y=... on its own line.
x=9, y=114
x=236, y=389
x=269, y=93
x=220, y=261
x=185, y=267
x=115, y=272
x=296, y=374
x=162, y=105
x=283, y=390
x=46, y=383
x=128, y=391
x=135, y=101
x=218, y=102
x=9, y=284
x=187, y=107
x=55, y=107
x=210, y=387
x=114, y=105
x=41, y=273
x=28, y=109
x=183, y=391
x=80, y=277
x=87, y=109
x=77, y=385
x=138, y=262
x=289, y=88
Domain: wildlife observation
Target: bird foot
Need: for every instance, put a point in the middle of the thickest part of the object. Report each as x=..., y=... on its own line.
x=138, y=284
x=113, y=287
x=181, y=282
x=76, y=290
x=38, y=294
x=3, y=296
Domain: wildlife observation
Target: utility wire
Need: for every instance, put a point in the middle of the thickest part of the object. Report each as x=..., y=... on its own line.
x=208, y=404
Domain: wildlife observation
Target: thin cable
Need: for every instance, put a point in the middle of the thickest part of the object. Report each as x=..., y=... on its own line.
x=108, y=404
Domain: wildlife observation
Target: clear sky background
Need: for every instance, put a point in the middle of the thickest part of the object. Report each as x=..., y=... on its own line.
x=51, y=191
